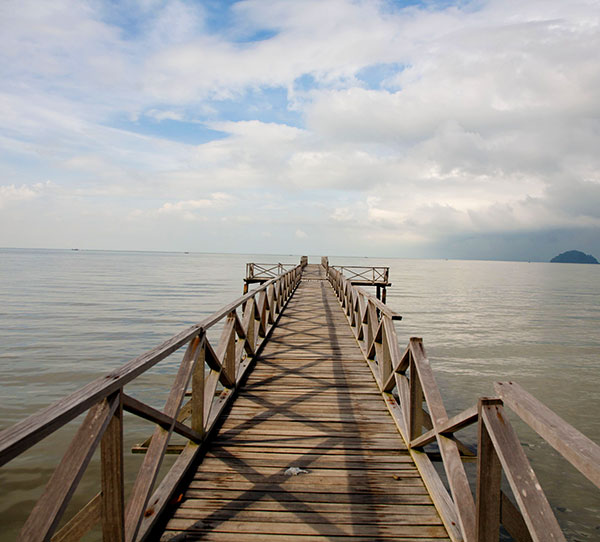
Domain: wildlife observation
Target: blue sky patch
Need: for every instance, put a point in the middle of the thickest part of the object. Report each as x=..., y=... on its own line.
x=374, y=76
x=193, y=133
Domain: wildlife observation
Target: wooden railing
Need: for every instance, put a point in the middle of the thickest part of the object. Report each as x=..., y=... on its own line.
x=212, y=370
x=412, y=396
x=364, y=275
x=266, y=271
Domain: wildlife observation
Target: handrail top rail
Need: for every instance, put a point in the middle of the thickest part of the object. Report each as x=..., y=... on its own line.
x=579, y=450
x=360, y=266
x=273, y=264
x=19, y=437
x=379, y=304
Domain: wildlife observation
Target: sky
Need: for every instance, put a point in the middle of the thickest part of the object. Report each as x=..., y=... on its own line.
x=409, y=129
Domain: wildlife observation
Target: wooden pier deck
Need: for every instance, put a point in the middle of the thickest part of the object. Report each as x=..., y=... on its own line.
x=311, y=403
x=304, y=420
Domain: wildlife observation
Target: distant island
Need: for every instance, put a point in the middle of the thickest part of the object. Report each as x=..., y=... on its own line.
x=574, y=256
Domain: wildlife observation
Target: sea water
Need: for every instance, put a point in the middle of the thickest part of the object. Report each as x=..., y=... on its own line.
x=67, y=317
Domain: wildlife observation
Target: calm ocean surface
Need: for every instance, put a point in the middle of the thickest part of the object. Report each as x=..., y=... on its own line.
x=67, y=317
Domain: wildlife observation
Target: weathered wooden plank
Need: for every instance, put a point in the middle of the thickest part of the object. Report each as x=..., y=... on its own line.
x=81, y=523
x=112, y=477
x=456, y=423
x=439, y=494
x=273, y=505
x=308, y=515
x=140, y=494
x=132, y=405
x=489, y=477
x=457, y=478
x=263, y=537
x=528, y=493
x=301, y=495
x=513, y=521
x=311, y=403
x=579, y=450
x=48, y=510
x=328, y=529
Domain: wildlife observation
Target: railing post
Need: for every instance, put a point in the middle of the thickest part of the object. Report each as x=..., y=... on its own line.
x=229, y=357
x=416, y=402
x=197, y=400
x=113, y=499
x=489, y=477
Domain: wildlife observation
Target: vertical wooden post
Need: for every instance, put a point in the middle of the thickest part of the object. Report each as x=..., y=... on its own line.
x=245, y=287
x=489, y=477
x=378, y=292
x=385, y=359
x=416, y=402
x=197, y=400
x=113, y=499
x=383, y=294
x=248, y=323
x=229, y=358
x=372, y=324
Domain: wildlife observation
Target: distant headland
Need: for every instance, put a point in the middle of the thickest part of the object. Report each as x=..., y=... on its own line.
x=574, y=256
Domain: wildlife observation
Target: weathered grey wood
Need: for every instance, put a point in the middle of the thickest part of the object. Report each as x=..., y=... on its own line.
x=457, y=478
x=528, y=493
x=197, y=400
x=205, y=416
x=48, y=510
x=403, y=387
x=18, y=438
x=513, y=521
x=326, y=410
x=340, y=279
x=579, y=450
x=148, y=472
x=113, y=498
x=456, y=423
x=81, y=523
x=489, y=476
x=226, y=350
x=248, y=327
x=160, y=498
x=439, y=494
x=143, y=410
x=416, y=417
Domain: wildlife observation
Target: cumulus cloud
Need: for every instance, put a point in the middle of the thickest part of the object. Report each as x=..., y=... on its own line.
x=395, y=127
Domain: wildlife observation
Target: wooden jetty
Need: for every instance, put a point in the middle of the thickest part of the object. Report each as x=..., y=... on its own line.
x=304, y=421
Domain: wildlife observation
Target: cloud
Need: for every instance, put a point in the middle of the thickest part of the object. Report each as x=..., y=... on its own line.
x=386, y=128
x=10, y=194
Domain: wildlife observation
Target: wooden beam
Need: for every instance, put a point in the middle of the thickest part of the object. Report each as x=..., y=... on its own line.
x=151, y=414
x=153, y=459
x=439, y=495
x=512, y=520
x=21, y=436
x=578, y=449
x=457, y=478
x=489, y=476
x=81, y=522
x=111, y=461
x=529, y=495
x=48, y=510
x=456, y=423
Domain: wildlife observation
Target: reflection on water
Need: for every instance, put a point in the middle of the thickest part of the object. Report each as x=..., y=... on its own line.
x=67, y=317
